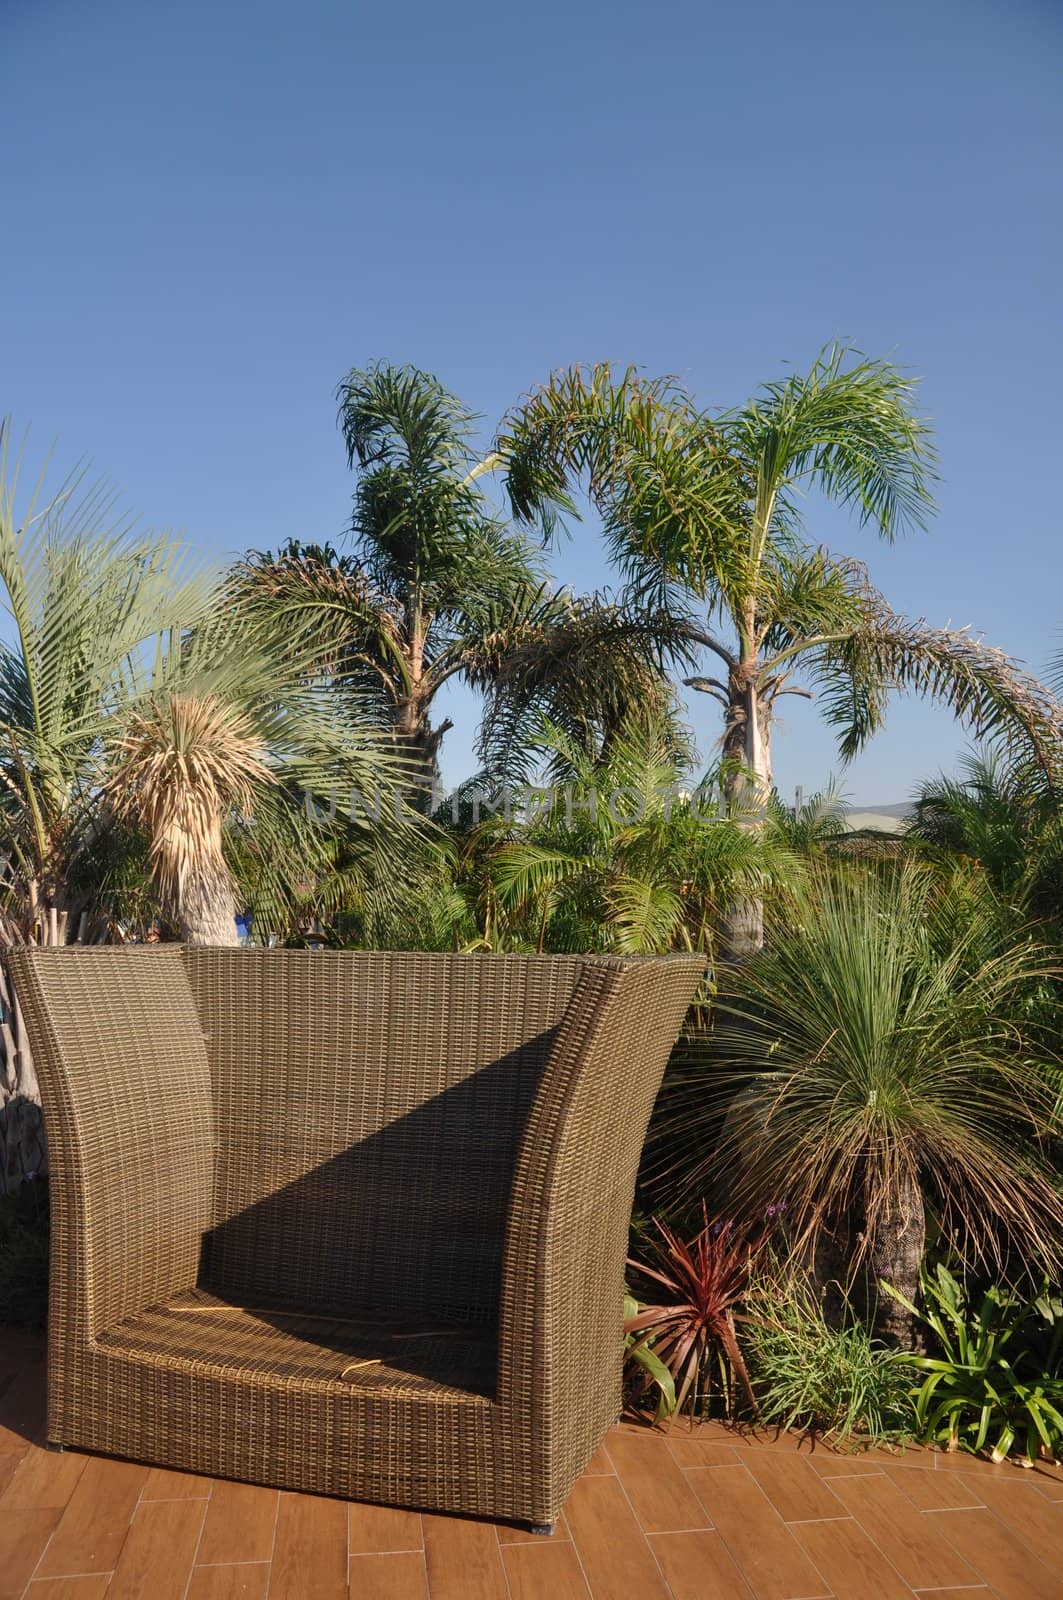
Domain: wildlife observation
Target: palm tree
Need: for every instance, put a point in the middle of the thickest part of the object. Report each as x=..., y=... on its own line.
x=623, y=857
x=230, y=735
x=869, y=1067
x=704, y=511
x=433, y=573
x=1001, y=815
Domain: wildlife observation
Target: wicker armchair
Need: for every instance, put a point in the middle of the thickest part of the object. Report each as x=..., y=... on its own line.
x=344, y=1222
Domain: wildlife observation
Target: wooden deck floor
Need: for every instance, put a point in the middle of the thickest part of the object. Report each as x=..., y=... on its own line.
x=694, y=1516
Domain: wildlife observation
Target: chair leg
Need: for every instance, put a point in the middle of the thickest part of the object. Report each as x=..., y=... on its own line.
x=50, y=1444
x=544, y=1529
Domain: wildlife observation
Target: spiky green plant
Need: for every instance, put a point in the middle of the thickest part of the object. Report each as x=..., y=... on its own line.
x=868, y=1069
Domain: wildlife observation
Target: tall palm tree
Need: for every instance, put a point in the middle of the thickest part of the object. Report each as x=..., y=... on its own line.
x=871, y=1068
x=703, y=512
x=433, y=573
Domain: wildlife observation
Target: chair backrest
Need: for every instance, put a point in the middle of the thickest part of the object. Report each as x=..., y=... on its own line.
x=369, y=1110
x=125, y=1083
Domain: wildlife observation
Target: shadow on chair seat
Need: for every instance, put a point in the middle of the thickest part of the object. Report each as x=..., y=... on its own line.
x=288, y=1345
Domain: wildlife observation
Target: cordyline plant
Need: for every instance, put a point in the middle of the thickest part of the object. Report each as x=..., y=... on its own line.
x=692, y=1328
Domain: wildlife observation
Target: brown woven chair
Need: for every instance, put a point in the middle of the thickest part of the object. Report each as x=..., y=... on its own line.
x=344, y=1222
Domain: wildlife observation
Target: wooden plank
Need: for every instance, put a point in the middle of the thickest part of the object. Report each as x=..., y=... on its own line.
x=920, y=1553
x=248, y=1581
x=1001, y=1557
x=464, y=1560
x=378, y=1529
x=23, y=1536
x=165, y=1484
x=93, y=1528
x=538, y=1571
x=770, y=1559
x=663, y=1500
x=156, y=1560
x=794, y=1487
x=613, y=1551
x=43, y=1478
x=698, y=1566
x=240, y=1526
x=400, y=1575
x=310, y=1553
x=852, y=1564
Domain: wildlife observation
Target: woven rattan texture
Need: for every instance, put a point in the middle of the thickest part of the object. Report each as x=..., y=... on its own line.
x=346, y=1222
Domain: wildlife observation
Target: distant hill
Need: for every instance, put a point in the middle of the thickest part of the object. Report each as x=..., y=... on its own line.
x=887, y=819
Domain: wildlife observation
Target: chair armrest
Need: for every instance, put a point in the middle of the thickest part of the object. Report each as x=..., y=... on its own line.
x=125, y=1089
x=561, y=1316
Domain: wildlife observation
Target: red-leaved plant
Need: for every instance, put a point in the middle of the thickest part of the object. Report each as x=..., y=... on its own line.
x=692, y=1331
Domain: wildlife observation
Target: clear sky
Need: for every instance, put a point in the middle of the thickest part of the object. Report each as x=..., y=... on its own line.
x=214, y=208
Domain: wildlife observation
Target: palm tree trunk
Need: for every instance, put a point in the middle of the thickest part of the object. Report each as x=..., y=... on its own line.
x=896, y=1258
x=207, y=913
x=747, y=784
x=419, y=742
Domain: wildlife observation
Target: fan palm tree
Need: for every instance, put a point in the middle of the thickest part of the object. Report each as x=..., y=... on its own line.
x=869, y=1068
x=704, y=511
x=433, y=574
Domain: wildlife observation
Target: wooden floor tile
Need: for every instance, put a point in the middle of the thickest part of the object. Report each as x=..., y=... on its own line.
x=1016, y=1502
x=164, y=1484
x=693, y=1450
x=8, y=1467
x=794, y=1487
x=159, y=1550
x=935, y=1491
x=310, y=1553
x=247, y=1581
x=598, y=1463
x=980, y=1593
x=612, y=1548
x=23, y=1536
x=399, y=1576
x=375, y=1529
x=43, y=1478
x=770, y=1559
x=91, y=1588
x=698, y=1566
x=1000, y=1557
x=661, y=1496
x=93, y=1528
x=464, y=1559
x=545, y=1572
x=919, y=1551
x=241, y=1522
x=852, y=1565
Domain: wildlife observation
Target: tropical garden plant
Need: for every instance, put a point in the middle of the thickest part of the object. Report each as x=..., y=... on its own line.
x=994, y=1378
x=690, y=1327
x=702, y=513
x=822, y=1375
x=868, y=1072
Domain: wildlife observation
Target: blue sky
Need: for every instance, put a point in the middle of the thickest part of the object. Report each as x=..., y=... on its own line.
x=214, y=209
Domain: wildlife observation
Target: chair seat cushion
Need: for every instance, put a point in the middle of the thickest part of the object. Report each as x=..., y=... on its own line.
x=274, y=1343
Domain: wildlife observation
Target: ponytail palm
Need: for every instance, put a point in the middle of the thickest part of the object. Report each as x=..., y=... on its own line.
x=704, y=516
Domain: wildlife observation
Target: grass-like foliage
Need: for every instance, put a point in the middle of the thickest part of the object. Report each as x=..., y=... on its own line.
x=872, y=1072
x=837, y=1381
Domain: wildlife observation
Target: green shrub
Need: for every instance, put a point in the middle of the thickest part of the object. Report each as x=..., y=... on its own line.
x=995, y=1377
x=24, y=1256
x=831, y=1380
